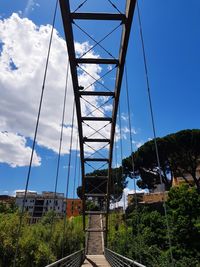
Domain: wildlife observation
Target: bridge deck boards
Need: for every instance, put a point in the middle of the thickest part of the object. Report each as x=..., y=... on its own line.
x=95, y=260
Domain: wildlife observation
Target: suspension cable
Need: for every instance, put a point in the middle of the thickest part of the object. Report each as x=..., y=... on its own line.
x=154, y=129
x=116, y=185
x=35, y=136
x=59, y=154
x=111, y=218
x=132, y=159
x=116, y=164
x=68, y=174
x=78, y=185
x=75, y=172
x=61, y=136
x=121, y=150
x=124, y=192
x=79, y=177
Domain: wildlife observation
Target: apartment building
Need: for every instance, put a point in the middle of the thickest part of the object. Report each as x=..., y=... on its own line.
x=38, y=205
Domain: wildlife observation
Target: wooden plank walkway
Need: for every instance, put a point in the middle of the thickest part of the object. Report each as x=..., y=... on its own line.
x=95, y=261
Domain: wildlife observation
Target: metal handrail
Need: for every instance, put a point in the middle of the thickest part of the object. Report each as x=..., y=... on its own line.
x=73, y=260
x=117, y=260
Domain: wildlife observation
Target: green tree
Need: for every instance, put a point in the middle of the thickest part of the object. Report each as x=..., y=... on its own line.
x=179, y=155
x=8, y=233
x=184, y=210
x=11, y=208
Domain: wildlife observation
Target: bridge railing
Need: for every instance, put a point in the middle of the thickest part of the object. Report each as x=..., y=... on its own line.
x=73, y=260
x=117, y=260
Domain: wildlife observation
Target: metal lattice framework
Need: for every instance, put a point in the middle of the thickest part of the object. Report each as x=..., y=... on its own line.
x=96, y=144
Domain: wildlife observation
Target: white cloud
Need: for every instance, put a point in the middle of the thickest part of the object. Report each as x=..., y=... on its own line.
x=22, y=62
x=124, y=200
x=13, y=150
x=124, y=117
x=138, y=143
x=126, y=132
x=29, y=7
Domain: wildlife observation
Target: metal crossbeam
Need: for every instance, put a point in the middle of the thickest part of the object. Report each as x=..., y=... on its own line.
x=96, y=93
x=96, y=119
x=99, y=140
x=98, y=16
x=97, y=123
x=97, y=61
x=96, y=159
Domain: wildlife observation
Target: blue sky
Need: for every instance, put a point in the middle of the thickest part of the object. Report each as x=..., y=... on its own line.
x=172, y=41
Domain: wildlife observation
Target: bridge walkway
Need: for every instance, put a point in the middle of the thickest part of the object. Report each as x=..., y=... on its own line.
x=95, y=243
x=95, y=261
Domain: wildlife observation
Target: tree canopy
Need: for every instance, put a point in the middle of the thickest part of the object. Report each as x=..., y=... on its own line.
x=179, y=155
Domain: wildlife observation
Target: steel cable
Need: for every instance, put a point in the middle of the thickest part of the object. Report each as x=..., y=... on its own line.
x=154, y=129
x=132, y=159
x=68, y=175
x=59, y=153
x=35, y=136
x=75, y=172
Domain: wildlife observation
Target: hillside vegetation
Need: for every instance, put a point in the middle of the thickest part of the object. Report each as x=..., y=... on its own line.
x=39, y=243
x=142, y=234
